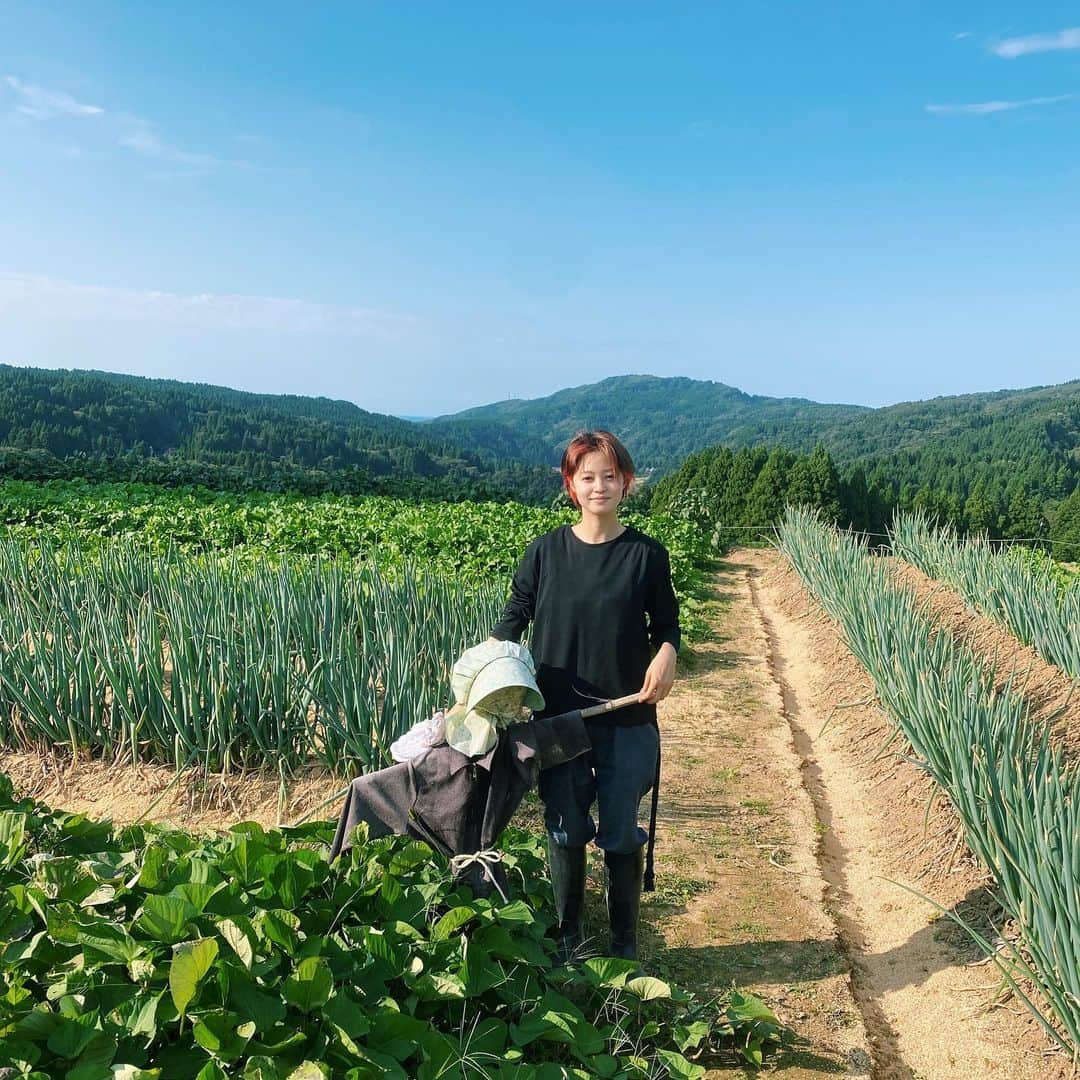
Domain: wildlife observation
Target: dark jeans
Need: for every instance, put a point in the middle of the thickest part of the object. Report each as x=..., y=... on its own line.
x=615, y=774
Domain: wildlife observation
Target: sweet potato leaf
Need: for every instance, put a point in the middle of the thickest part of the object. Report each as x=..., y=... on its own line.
x=190, y=964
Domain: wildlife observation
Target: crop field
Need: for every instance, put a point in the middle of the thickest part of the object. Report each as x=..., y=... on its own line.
x=150, y=638
x=1036, y=598
x=469, y=540
x=229, y=663
x=239, y=631
x=147, y=953
x=1019, y=803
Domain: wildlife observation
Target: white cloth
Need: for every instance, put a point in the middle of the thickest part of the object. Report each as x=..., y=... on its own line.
x=494, y=685
x=420, y=738
x=493, y=666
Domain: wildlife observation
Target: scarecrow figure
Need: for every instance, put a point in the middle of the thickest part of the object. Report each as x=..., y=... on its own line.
x=462, y=774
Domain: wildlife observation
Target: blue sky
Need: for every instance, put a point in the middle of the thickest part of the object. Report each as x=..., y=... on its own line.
x=420, y=207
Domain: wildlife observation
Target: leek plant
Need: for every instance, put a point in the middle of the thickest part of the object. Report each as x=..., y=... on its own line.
x=1022, y=595
x=232, y=662
x=1019, y=802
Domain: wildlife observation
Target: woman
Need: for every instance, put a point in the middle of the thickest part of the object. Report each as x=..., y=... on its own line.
x=605, y=625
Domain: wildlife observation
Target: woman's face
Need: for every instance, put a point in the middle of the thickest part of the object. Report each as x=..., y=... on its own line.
x=597, y=484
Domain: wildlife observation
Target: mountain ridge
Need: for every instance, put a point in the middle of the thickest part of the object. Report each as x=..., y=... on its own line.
x=1028, y=437
x=700, y=413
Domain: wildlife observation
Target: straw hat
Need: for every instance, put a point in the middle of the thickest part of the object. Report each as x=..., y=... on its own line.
x=494, y=684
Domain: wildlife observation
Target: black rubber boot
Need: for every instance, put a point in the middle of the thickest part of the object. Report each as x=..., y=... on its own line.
x=567, y=867
x=624, y=900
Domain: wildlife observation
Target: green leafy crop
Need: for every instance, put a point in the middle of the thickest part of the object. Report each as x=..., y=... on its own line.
x=186, y=626
x=471, y=541
x=150, y=953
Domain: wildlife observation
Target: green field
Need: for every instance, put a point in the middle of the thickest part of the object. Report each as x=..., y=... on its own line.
x=1013, y=789
x=224, y=631
x=234, y=632
x=469, y=540
x=146, y=953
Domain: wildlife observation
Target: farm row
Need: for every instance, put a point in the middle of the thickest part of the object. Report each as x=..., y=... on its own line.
x=225, y=662
x=1016, y=797
x=1025, y=591
x=152, y=954
x=140, y=952
x=196, y=627
x=470, y=540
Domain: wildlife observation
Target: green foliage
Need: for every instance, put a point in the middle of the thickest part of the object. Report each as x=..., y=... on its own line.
x=767, y=497
x=1000, y=462
x=660, y=420
x=231, y=661
x=342, y=975
x=1065, y=530
x=95, y=425
x=741, y=496
x=1012, y=453
x=1025, y=590
x=1026, y=435
x=471, y=541
x=177, y=626
x=813, y=481
x=1041, y=565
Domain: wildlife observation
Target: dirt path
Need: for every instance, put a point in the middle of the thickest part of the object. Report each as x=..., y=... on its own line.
x=740, y=896
x=921, y=999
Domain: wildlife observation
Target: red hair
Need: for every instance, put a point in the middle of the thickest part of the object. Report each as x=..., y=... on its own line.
x=592, y=442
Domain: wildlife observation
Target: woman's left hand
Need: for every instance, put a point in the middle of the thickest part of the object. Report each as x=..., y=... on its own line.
x=659, y=676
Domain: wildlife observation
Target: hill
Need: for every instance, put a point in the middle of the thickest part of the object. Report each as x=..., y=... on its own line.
x=665, y=419
x=1006, y=462
x=1011, y=456
x=108, y=426
x=662, y=419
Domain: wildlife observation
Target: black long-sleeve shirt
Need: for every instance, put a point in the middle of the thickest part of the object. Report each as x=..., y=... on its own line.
x=599, y=613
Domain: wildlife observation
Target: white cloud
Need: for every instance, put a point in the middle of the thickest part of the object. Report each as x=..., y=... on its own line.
x=140, y=136
x=1011, y=48
x=42, y=104
x=982, y=108
x=127, y=130
x=963, y=35
x=52, y=298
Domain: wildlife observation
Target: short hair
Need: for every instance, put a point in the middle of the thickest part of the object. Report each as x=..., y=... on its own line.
x=590, y=442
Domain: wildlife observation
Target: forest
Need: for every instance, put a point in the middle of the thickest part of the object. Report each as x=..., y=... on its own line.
x=664, y=419
x=741, y=494
x=106, y=427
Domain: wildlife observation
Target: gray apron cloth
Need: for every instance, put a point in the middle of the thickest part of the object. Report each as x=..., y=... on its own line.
x=460, y=805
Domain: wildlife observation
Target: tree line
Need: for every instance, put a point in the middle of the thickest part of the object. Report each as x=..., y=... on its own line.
x=1006, y=464
x=742, y=493
x=509, y=482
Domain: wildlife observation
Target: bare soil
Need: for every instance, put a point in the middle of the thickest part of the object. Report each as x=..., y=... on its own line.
x=740, y=894
x=188, y=799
